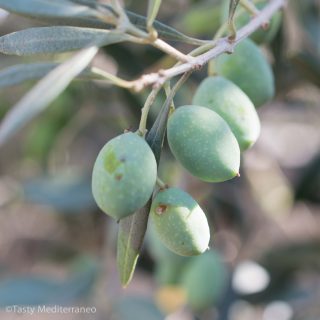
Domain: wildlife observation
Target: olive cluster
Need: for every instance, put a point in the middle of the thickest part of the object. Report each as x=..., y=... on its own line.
x=207, y=138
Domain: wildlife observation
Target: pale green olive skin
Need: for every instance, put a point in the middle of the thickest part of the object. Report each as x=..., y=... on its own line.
x=249, y=70
x=124, y=175
x=203, y=143
x=233, y=105
x=204, y=280
x=179, y=222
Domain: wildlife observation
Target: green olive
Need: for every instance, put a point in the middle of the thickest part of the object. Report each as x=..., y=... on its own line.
x=247, y=68
x=204, y=143
x=124, y=175
x=233, y=105
x=179, y=222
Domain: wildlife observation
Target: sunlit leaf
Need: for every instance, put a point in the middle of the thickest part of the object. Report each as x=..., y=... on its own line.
x=56, y=39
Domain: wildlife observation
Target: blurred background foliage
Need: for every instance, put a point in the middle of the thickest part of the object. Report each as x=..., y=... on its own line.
x=56, y=247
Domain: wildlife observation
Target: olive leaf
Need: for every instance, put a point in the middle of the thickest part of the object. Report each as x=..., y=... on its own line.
x=81, y=13
x=20, y=73
x=46, y=8
x=56, y=39
x=52, y=85
x=130, y=238
x=57, y=12
x=164, y=31
x=132, y=229
x=153, y=8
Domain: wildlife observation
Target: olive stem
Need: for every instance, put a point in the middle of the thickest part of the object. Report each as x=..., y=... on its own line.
x=167, y=89
x=151, y=98
x=223, y=45
x=145, y=110
x=157, y=43
x=161, y=184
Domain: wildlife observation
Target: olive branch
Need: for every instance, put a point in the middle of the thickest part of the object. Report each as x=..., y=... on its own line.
x=88, y=25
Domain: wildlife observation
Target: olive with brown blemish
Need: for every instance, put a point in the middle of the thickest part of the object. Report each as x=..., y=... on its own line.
x=179, y=222
x=124, y=175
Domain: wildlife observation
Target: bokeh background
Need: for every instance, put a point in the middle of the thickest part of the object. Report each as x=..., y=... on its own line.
x=58, y=248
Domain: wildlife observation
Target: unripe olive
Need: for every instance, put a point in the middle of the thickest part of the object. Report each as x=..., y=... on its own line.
x=249, y=69
x=204, y=280
x=261, y=35
x=204, y=143
x=233, y=105
x=124, y=175
x=179, y=222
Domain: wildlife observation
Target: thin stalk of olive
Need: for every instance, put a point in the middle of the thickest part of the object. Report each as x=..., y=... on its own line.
x=145, y=110
x=161, y=184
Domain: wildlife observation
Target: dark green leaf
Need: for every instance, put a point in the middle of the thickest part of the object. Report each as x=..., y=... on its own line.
x=56, y=39
x=155, y=136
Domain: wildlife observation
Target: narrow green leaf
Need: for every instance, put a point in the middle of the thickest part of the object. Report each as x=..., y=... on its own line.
x=20, y=73
x=130, y=238
x=57, y=12
x=56, y=39
x=164, y=31
x=44, y=93
x=153, y=9
x=46, y=8
x=155, y=136
x=81, y=13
